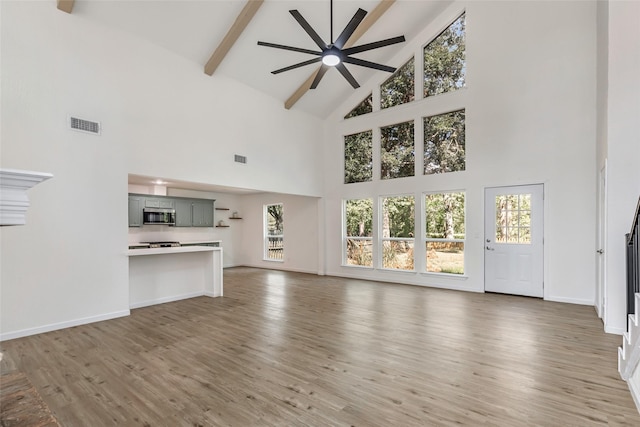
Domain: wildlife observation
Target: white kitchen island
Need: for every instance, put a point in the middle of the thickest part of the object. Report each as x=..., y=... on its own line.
x=159, y=275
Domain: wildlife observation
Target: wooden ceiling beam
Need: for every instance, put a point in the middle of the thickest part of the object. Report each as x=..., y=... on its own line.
x=366, y=23
x=241, y=22
x=65, y=5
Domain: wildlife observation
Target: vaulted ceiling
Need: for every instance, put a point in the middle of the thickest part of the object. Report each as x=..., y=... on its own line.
x=195, y=30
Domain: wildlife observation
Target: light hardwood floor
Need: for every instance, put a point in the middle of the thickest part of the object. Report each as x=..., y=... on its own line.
x=291, y=349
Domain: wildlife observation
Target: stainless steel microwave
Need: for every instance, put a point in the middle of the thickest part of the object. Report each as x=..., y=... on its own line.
x=164, y=216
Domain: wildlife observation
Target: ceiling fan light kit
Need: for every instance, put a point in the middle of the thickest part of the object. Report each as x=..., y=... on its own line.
x=333, y=54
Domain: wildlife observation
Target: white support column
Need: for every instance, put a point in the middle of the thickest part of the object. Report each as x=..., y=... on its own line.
x=14, y=201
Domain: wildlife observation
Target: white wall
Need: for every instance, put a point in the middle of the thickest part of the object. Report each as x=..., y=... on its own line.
x=161, y=116
x=622, y=150
x=301, y=241
x=530, y=118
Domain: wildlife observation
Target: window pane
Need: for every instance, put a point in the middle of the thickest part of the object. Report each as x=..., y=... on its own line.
x=513, y=218
x=444, y=215
x=274, y=220
x=359, y=252
x=400, y=87
x=364, y=107
x=358, y=157
x=445, y=257
x=398, y=216
x=444, y=60
x=275, y=248
x=397, y=254
x=359, y=217
x=397, y=154
x=444, y=143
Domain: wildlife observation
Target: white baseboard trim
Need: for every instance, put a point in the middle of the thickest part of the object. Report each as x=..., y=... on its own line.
x=635, y=392
x=62, y=325
x=278, y=266
x=570, y=300
x=166, y=299
x=392, y=277
x=614, y=330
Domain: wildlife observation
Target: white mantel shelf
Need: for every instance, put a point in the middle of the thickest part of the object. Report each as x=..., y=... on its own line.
x=14, y=201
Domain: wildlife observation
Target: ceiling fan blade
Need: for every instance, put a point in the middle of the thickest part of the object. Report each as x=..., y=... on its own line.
x=298, y=65
x=374, y=45
x=295, y=49
x=304, y=24
x=347, y=75
x=369, y=64
x=350, y=28
x=319, y=76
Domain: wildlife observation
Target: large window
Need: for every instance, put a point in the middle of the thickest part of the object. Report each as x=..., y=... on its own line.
x=273, y=232
x=398, y=225
x=358, y=242
x=445, y=232
x=397, y=153
x=400, y=87
x=444, y=147
x=364, y=107
x=444, y=60
x=358, y=157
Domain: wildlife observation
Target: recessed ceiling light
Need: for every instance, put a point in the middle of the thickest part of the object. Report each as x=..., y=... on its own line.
x=159, y=182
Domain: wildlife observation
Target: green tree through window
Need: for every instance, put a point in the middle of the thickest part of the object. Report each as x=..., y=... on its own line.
x=444, y=60
x=444, y=143
x=400, y=87
x=358, y=157
x=364, y=107
x=397, y=153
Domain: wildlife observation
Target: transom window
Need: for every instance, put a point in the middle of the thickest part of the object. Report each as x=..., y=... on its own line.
x=444, y=143
x=358, y=157
x=445, y=232
x=397, y=153
x=273, y=232
x=364, y=107
x=358, y=242
x=400, y=87
x=444, y=60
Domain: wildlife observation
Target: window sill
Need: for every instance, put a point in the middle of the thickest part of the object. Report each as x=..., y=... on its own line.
x=446, y=275
x=365, y=267
x=273, y=260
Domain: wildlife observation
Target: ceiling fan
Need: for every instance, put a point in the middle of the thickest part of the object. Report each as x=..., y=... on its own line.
x=334, y=54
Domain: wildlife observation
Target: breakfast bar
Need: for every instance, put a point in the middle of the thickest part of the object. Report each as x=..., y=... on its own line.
x=160, y=275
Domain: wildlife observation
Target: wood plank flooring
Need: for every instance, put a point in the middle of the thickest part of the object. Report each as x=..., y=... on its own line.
x=291, y=349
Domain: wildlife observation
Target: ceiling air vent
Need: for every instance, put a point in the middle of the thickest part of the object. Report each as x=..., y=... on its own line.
x=240, y=159
x=83, y=125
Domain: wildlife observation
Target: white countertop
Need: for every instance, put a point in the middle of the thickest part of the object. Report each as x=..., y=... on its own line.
x=174, y=250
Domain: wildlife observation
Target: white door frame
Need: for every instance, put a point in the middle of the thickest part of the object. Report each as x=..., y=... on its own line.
x=514, y=251
x=601, y=244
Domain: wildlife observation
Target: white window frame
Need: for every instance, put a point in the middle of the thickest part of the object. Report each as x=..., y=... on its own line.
x=381, y=239
x=266, y=234
x=346, y=237
x=426, y=239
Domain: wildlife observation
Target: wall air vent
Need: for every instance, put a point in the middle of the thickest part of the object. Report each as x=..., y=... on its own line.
x=240, y=159
x=83, y=125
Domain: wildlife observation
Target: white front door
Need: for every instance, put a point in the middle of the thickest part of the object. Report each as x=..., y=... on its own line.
x=601, y=288
x=513, y=245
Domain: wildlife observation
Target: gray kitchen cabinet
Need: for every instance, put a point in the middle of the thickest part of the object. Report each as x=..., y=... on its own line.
x=183, y=213
x=135, y=211
x=157, y=202
x=202, y=213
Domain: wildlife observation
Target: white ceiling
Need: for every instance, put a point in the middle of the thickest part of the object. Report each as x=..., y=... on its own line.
x=193, y=29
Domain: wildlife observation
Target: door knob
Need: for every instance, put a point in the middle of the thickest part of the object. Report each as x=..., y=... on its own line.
x=490, y=248
x=600, y=251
